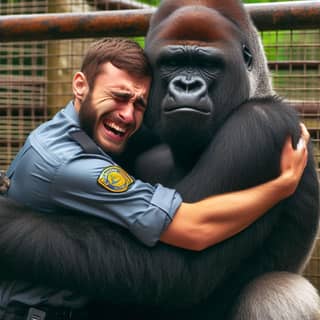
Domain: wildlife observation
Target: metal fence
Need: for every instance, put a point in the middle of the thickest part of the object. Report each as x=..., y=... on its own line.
x=40, y=53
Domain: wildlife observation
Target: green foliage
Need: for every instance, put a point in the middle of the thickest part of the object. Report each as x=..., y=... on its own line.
x=156, y=2
x=151, y=2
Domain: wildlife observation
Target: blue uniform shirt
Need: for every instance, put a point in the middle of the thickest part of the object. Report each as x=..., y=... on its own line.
x=52, y=171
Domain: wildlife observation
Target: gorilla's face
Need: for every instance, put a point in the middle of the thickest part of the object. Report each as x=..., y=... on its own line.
x=201, y=63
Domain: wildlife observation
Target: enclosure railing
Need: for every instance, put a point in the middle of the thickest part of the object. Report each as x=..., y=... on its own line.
x=266, y=16
x=294, y=25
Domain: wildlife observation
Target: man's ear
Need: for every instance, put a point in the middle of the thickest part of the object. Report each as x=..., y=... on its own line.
x=80, y=86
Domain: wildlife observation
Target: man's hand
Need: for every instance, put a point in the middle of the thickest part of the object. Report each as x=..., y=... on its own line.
x=293, y=161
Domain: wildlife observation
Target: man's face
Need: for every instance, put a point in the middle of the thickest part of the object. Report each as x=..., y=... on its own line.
x=113, y=110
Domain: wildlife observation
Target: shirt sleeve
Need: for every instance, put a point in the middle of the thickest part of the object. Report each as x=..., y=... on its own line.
x=91, y=185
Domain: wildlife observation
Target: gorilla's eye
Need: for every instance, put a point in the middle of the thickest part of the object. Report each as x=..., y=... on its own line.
x=206, y=63
x=247, y=56
x=172, y=63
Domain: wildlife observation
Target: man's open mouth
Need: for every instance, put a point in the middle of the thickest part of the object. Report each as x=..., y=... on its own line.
x=114, y=128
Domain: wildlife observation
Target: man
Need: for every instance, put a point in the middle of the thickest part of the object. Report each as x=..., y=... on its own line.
x=68, y=162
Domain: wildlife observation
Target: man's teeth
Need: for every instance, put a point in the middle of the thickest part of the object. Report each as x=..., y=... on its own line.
x=115, y=128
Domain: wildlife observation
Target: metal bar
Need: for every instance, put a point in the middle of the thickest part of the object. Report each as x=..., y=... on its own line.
x=74, y=25
x=285, y=15
x=284, y=65
x=266, y=16
x=121, y=5
x=306, y=107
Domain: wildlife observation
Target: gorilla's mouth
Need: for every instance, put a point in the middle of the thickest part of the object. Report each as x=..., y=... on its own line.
x=195, y=109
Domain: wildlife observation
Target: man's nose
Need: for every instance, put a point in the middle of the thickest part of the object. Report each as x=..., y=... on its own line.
x=126, y=112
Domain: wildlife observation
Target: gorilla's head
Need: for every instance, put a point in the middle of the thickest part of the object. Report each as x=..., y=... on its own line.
x=207, y=60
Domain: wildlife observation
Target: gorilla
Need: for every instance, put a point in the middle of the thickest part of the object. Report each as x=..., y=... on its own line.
x=220, y=128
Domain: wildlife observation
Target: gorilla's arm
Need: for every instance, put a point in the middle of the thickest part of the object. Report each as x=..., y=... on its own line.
x=87, y=254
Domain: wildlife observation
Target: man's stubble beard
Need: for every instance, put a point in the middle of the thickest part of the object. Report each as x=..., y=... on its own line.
x=87, y=116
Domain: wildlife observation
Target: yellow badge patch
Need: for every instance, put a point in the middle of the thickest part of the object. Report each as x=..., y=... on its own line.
x=115, y=179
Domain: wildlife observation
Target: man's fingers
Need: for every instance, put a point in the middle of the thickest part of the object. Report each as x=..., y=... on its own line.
x=305, y=135
x=301, y=144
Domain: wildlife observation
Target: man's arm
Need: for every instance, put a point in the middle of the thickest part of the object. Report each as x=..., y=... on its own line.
x=199, y=225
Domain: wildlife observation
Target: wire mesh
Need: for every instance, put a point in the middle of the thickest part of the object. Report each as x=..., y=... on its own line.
x=35, y=78
x=294, y=62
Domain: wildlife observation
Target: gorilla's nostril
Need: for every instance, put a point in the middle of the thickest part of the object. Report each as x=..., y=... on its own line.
x=180, y=86
x=188, y=86
x=194, y=86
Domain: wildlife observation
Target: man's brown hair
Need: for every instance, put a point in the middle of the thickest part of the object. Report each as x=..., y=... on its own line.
x=123, y=53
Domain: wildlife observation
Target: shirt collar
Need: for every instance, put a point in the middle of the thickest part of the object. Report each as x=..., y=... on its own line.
x=72, y=113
